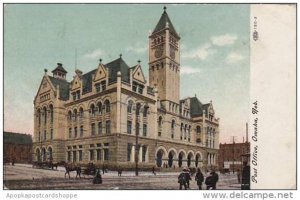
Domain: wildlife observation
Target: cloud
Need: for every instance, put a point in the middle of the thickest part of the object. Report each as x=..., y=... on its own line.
x=233, y=58
x=137, y=49
x=223, y=40
x=200, y=53
x=97, y=53
x=189, y=70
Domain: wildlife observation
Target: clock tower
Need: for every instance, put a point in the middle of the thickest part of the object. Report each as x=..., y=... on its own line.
x=164, y=61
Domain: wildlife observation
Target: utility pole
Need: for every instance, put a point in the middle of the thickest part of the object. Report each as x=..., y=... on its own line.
x=137, y=127
x=233, y=154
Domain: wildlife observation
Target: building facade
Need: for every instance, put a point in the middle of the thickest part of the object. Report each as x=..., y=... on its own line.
x=17, y=147
x=231, y=156
x=113, y=115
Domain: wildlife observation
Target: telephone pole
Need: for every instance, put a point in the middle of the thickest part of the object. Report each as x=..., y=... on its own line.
x=233, y=154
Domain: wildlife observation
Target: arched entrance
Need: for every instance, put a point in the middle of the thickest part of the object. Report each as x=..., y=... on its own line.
x=180, y=158
x=159, y=156
x=197, y=159
x=171, y=158
x=50, y=153
x=43, y=154
x=189, y=159
x=38, y=154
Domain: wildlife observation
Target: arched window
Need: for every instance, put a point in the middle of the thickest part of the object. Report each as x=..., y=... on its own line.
x=81, y=112
x=173, y=124
x=39, y=116
x=45, y=114
x=145, y=112
x=172, y=128
x=69, y=115
x=51, y=113
x=107, y=106
x=159, y=121
x=99, y=107
x=92, y=110
x=129, y=107
x=198, y=129
x=75, y=114
x=181, y=131
x=138, y=109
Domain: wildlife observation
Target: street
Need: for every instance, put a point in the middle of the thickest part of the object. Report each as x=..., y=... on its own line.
x=23, y=176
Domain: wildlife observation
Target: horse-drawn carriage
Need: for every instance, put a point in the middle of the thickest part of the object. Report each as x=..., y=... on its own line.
x=89, y=169
x=47, y=164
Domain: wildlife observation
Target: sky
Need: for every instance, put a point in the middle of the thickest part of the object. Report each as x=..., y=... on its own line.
x=215, y=52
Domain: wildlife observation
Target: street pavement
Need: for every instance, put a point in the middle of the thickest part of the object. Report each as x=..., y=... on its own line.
x=23, y=176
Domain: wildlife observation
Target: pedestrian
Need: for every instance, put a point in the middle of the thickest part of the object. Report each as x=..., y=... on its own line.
x=211, y=180
x=119, y=171
x=238, y=175
x=153, y=170
x=103, y=169
x=182, y=180
x=187, y=177
x=97, y=179
x=199, y=178
x=245, y=176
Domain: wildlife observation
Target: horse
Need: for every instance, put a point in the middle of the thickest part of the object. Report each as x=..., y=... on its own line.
x=72, y=167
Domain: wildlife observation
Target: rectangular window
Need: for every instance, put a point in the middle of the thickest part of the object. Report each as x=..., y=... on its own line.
x=144, y=151
x=81, y=131
x=69, y=156
x=99, y=154
x=70, y=132
x=98, y=87
x=129, y=146
x=108, y=127
x=74, y=96
x=99, y=128
x=80, y=155
x=74, y=156
x=134, y=86
x=141, y=88
x=106, y=154
x=51, y=134
x=129, y=127
x=93, y=128
x=91, y=154
x=39, y=136
x=78, y=94
x=75, y=132
x=103, y=85
x=144, y=129
x=159, y=134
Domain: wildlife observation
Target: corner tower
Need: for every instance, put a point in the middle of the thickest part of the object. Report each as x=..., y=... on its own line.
x=164, y=61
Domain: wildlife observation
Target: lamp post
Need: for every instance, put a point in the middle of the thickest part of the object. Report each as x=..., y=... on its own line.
x=233, y=154
x=137, y=127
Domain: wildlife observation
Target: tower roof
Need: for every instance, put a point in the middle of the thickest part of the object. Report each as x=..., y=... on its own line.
x=164, y=19
x=59, y=68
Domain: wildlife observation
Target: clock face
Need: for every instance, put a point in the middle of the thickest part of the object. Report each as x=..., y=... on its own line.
x=158, y=52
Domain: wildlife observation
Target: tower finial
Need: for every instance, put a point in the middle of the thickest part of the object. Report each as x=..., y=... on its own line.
x=139, y=61
x=120, y=55
x=100, y=60
x=165, y=8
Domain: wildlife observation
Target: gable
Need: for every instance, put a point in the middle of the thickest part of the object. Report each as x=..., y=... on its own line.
x=139, y=75
x=76, y=83
x=45, y=88
x=100, y=73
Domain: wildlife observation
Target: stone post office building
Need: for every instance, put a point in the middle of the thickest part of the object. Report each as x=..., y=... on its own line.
x=96, y=116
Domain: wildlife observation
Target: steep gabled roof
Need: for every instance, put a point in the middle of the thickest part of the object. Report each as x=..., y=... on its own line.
x=196, y=107
x=87, y=81
x=114, y=67
x=64, y=87
x=17, y=138
x=164, y=19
